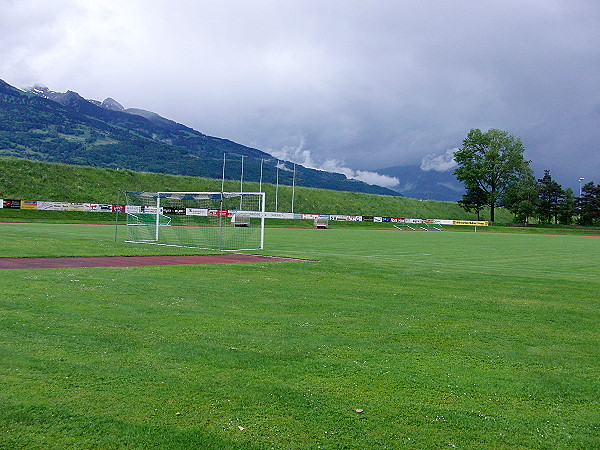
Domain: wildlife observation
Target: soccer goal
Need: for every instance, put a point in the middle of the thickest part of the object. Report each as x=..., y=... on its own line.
x=208, y=220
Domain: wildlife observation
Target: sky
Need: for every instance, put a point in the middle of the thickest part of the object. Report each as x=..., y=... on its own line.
x=344, y=85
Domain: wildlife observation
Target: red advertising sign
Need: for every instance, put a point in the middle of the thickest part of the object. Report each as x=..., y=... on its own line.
x=219, y=213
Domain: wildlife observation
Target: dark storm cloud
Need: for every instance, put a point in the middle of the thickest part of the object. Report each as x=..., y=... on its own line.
x=345, y=84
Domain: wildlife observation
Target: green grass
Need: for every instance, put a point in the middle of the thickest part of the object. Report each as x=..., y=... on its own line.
x=473, y=340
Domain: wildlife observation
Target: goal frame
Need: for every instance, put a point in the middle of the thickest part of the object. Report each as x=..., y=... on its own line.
x=156, y=209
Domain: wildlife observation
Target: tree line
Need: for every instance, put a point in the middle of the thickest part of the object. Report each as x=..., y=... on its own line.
x=495, y=173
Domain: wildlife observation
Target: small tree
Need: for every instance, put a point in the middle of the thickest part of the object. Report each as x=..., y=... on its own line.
x=474, y=200
x=492, y=161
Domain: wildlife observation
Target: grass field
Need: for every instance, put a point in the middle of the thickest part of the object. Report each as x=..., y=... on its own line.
x=466, y=340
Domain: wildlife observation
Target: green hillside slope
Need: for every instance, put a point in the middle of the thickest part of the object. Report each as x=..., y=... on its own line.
x=35, y=180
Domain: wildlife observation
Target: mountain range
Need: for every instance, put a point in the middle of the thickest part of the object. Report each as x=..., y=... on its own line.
x=41, y=124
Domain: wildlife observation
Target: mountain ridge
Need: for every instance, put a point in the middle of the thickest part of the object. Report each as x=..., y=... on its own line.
x=38, y=123
x=67, y=128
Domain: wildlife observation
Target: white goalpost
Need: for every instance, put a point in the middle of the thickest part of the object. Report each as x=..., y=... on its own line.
x=227, y=221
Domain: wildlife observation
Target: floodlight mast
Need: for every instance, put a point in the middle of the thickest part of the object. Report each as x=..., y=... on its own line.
x=157, y=214
x=262, y=221
x=277, y=188
x=242, y=182
x=261, y=175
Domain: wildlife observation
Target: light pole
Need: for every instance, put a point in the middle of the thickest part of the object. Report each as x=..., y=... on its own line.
x=293, y=186
x=242, y=182
x=242, y=176
x=223, y=176
x=277, y=187
x=580, y=180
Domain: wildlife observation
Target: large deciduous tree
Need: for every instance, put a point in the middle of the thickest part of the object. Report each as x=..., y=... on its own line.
x=491, y=161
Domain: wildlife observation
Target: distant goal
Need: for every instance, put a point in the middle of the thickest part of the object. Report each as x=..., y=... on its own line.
x=321, y=222
x=225, y=221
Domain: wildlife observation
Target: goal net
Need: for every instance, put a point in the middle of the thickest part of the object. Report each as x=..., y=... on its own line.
x=208, y=220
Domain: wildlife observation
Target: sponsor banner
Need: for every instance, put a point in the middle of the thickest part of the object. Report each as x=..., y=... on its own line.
x=60, y=206
x=90, y=207
x=279, y=215
x=309, y=216
x=378, y=219
x=147, y=210
x=15, y=204
x=52, y=206
x=219, y=213
x=105, y=208
x=386, y=219
x=368, y=218
x=342, y=218
x=118, y=208
x=443, y=222
x=196, y=212
x=1, y=203
x=430, y=221
x=397, y=220
x=257, y=214
x=75, y=207
x=477, y=223
x=133, y=209
x=173, y=211
x=44, y=206
x=28, y=204
x=413, y=220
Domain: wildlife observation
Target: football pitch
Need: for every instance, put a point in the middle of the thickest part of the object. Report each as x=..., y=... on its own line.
x=376, y=339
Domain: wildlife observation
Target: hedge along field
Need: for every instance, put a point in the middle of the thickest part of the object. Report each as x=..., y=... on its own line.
x=379, y=339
